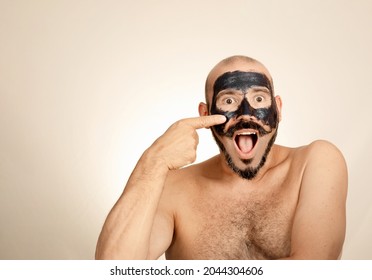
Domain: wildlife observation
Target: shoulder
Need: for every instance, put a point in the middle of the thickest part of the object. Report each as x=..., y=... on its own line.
x=319, y=163
x=192, y=173
x=324, y=153
x=325, y=165
x=324, y=146
x=186, y=182
x=320, y=150
x=182, y=180
x=183, y=175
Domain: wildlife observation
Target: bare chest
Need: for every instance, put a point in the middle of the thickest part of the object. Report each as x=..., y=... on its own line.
x=253, y=226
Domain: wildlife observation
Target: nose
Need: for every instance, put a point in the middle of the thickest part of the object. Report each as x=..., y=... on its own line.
x=245, y=108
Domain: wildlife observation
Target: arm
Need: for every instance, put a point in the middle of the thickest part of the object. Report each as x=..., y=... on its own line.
x=320, y=221
x=126, y=232
x=136, y=228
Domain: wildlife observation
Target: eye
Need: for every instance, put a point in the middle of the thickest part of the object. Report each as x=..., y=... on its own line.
x=229, y=101
x=259, y=99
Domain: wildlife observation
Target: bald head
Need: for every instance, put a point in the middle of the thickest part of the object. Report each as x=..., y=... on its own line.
x=230, y=64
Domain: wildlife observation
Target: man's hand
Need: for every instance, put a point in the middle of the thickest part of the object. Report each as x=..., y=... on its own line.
x=177, y=146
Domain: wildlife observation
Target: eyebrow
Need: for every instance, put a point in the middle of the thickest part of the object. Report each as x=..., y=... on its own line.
x=241, y=80
x=228, y=92
x=235, y=91
x=260, y=88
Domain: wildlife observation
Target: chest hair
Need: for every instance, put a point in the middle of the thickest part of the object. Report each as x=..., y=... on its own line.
x=251, y=227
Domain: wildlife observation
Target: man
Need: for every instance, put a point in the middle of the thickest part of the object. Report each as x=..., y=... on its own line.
x=255, y=200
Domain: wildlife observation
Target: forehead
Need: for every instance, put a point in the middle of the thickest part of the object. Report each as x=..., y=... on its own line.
x=242, y=66
x=241, y=81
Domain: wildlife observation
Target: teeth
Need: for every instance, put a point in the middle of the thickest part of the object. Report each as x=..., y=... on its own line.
x=247, y=133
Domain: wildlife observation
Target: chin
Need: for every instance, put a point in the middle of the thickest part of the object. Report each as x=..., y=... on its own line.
x=244, y=166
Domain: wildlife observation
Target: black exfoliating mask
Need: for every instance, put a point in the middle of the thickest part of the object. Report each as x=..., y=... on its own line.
x=243, y=81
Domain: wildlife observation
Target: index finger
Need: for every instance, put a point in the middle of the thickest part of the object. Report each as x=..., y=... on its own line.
x=205, y=121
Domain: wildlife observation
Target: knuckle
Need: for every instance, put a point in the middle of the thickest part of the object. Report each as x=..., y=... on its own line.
x=176, y=124
x=181, y=122
x=203, y=122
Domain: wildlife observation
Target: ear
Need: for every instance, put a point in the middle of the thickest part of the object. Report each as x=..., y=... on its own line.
x=278, y=101
x=203, y=109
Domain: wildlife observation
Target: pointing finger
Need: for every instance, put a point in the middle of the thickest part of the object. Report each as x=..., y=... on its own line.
x=205, y=121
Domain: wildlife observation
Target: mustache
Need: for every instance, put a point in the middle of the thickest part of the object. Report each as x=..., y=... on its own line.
x=246, y=125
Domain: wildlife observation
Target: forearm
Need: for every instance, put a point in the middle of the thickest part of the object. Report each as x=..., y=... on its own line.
x=126, y=232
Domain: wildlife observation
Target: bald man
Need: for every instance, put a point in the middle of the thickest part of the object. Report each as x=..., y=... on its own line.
x=254, y=200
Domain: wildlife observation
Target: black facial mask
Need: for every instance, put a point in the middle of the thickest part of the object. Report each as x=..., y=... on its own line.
x=242, y=81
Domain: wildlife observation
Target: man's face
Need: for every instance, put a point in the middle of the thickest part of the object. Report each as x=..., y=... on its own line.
x=247, y=101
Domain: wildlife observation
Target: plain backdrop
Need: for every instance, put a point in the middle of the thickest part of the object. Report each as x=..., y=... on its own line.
x=86, y=86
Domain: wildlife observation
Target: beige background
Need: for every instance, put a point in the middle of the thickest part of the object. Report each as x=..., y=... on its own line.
x=86, y=86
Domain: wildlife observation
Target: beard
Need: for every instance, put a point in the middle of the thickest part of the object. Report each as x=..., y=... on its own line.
x=248, y=173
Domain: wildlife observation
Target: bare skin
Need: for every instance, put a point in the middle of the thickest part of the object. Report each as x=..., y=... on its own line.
x=294, y=208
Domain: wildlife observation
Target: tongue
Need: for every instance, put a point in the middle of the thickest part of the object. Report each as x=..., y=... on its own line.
x=245, y=143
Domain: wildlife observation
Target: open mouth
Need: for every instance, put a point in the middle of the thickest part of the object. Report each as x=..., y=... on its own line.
x=245, y=141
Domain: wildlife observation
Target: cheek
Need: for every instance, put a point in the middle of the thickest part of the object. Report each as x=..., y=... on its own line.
x=221, y=127
x=267, y=115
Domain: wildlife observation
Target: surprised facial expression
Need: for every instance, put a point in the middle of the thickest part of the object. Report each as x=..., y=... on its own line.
x=247, y=101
